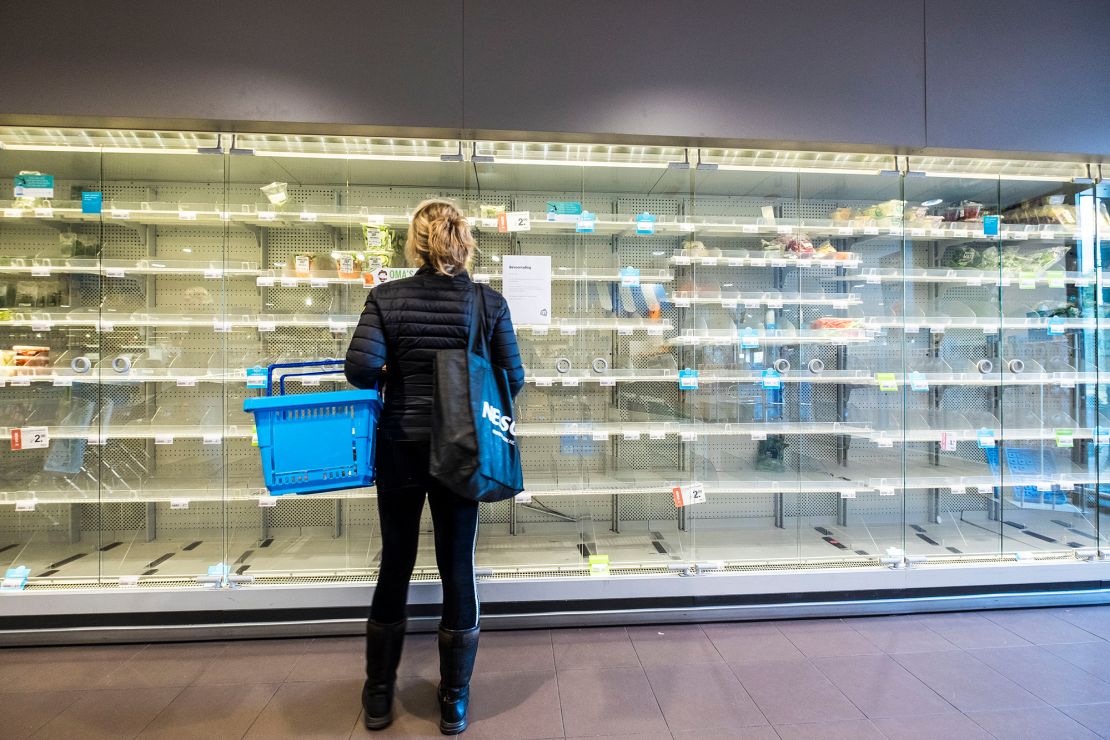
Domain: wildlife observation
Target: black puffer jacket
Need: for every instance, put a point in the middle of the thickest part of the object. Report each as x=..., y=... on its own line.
x=404, y=324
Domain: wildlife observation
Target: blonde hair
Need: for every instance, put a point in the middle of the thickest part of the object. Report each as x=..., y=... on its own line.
x=439, y=236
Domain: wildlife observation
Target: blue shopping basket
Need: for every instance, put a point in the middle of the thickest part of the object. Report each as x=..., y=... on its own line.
x=314, y=442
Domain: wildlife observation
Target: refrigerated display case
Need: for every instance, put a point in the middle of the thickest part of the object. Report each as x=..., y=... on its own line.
x=765, y=378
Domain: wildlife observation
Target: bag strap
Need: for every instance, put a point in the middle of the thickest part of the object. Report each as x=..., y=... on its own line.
x=477, y=336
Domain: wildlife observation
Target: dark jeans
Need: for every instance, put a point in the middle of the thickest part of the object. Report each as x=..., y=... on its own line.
x=403, y=481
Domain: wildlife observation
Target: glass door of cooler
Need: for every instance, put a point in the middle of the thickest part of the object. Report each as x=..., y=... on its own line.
x=953, y=331
x=52, y=409
x=1048, y=359
x=162, y=362
x=1093, y=217
x=599, y=415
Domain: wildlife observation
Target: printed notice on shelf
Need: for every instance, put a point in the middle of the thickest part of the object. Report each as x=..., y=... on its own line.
x=34, y=185
x=526, y=284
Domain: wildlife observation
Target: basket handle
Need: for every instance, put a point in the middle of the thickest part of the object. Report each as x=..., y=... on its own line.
x=279, y=366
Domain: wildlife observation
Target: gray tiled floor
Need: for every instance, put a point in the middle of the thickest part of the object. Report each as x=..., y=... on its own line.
x=1013, y=674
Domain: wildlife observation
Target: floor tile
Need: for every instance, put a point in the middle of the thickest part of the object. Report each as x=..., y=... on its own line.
x=330, y=661
x=593, y=648
x=415, y=712
x=599, y=701
x=505, y=651
x=523, y=706
x=790, y=692
x=843, y=730
x=61, y=668
x=25, y=711
x=880, y=687
x=742, y=642
x=108, y=713
x=1093, y=619
x=965, y=682
x=575, y=635
x=420, y=656
x=702, y=696
x=1045, y=675
x=165, y=665
x=972, y=631
x=827, y=639
x=1032, y=724
x=1092, y=657
x=765, y=732
x=673, y=645
x=900, y=634
x=210, y=712
x=310, y=709
x=1040, y=626
x=950, y=726
x=1095, y=717
x=254, y=661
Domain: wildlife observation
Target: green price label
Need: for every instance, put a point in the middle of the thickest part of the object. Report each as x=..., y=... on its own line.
x=1065, y=437
x=887, y=381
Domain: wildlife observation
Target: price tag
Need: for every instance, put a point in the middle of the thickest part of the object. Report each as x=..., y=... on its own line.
x=539, y=331
x=709, y=261
x=886, y=491
x=918, y=382
x=770, y=378
x=544, y=382
x=947, y=442
x=608, y=382
x=267, y=216
x=1019, y=235
x=221, y=327
x=688, y=495
x=213, y=273
x=657, y=434
x=568, y=331
x=310, y=380
x=645, y=224
x=681, y=302
x=1102, y=435
x=917, y=232
x=186, y=381
x=337, y=327
x=872, y=278
x=187, y=215
x=40, y=271
x=887, y=381
x=912, y=328
x=599, y=565
x=44, y=213
x=681, y=259
x=128, y=581
x=847, y=494
x=570, y=382
x=985, y=437
x=41, y=325
x=114, y=272
x=119, y=213
x=586, y=223
x=179, y=503
x=749, y=339
x=774, y=303
x=1027, y=281
x=30, y=438
x=318, y=283
x=1065, y=437
x=871, y=230
x=266, y=326
x=758, y=436
x=688, y=380
x=988, y=330
x=63, y=382
x=749, y=229
x=25, y=505
x=784, y=229
x=13, y=213
x=689, y=436
x=936, y=232
x=735, y=261
x=290, y=282
x=599, y=436
x=1056, y=279
x=974, y=281
x=514, y=221
x=1056, y=325
x=655, y=331
x=309, y=216
x=844, y=230
x=213, y=438
x=630, y=276
x=631, y=436
x=884, y=442
x=730, y=302
x=266, y=501
x=163, y=439
x=97, y=439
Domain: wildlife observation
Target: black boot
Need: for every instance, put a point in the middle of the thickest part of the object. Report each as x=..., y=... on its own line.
x=383, y=653
x=457, y=649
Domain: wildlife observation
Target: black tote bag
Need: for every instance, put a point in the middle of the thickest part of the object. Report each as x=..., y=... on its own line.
x=474, y=451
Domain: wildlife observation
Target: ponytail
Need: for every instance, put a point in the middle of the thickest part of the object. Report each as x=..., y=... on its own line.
x=439, y=236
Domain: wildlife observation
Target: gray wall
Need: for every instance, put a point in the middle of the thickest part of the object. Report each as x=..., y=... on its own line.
x=1021, y=75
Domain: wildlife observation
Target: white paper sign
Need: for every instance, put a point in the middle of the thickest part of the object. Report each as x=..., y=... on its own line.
x=526, y=284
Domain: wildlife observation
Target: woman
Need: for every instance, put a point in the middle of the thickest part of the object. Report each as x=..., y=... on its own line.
x=404, y=324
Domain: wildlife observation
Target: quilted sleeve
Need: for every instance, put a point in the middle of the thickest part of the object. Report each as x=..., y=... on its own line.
x=367, y=353
x=504, y=352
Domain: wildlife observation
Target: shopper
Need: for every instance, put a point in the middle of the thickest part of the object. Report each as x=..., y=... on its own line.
x=404, y=324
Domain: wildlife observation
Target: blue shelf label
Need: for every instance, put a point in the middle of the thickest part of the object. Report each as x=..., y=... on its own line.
x=985, y=437
x=749, y=339
x=771, y=378
x=630, y=276
x=1056, y=325
x=92, y=202
x=586, y=223
x=34, y=185
x=990, y=225
x=918, y=381
x=15, y=578
x=688, y=380
x=645, y=224
x=256, y=377
x=563, y=210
